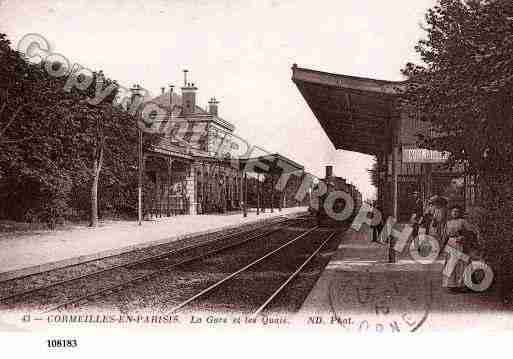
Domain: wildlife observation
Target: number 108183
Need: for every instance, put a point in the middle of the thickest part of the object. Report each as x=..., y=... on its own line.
x=62, y=343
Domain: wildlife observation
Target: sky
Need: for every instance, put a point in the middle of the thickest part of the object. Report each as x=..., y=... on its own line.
x=239, y=51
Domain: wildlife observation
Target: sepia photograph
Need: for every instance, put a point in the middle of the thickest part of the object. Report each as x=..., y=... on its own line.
x=180, y=166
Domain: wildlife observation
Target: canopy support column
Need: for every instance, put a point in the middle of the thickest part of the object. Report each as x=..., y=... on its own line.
x=272, y=193
x=258, y=194
x=391, y=240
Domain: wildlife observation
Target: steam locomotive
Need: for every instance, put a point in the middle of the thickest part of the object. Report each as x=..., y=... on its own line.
x=334, y=201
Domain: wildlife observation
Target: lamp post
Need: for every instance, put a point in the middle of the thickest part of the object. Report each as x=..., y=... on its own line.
x=272, y=193
x=136, y=92
x=140, y=176
x=171, y=87
x=97, y=159
x=244, y=190
x=258, y=193
x=170, y=159
x=222, y=194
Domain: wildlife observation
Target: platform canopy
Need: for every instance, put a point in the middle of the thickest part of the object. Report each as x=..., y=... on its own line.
x=274, y=164
x=356, y=113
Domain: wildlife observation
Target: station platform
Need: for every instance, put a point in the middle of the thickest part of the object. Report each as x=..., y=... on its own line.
x=32, y=252
x=360, y=291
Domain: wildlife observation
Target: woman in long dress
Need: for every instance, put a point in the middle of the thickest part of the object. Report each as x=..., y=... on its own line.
x=436, y=227
x=437, y=219
x=459, y=235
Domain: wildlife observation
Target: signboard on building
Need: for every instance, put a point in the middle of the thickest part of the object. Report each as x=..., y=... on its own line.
x=422, y=155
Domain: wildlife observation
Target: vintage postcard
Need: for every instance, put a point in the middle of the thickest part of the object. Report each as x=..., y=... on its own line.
x=175, y=167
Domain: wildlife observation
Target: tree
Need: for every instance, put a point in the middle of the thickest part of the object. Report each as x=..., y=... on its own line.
x=101, y=125
x=464, y=89
x=57, y=147
x=32, y=143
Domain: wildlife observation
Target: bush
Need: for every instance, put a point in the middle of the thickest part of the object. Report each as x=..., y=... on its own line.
x=497, y=233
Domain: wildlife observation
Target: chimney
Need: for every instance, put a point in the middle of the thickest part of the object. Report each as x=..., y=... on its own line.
x=212, y=106
x=329, y=171
x=188, y=96
x=185, y=77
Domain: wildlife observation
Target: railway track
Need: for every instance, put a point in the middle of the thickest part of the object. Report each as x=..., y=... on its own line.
x=310, y=244
x=191, y=284
x=118, y=273
x=175, y=281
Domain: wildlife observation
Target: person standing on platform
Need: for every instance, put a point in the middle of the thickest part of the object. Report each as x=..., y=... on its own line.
x=418, y=213
x=418, y=206
x=432, y=222
x=420, y=218
x=460, y=236
x=378, y=227
x=436, y=227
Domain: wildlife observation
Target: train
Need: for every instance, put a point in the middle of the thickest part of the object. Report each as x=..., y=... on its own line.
x=334, y=209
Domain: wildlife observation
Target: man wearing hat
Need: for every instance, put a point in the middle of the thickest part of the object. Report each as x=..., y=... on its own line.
x=419, y=217
x=439, y=216
x=431, y=221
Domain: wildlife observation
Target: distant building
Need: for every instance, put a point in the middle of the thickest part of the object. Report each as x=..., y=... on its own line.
x=189, y=169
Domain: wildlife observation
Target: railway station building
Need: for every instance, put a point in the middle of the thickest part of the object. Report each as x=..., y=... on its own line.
x=364, y=115
x=190, y=170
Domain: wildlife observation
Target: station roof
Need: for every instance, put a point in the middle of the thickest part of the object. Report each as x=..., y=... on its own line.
x=270, y=164
x=356, y=113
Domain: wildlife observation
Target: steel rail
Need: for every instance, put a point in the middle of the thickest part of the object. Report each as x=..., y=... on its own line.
x=157, y=272
x=293, y=275
x=282, y=219
x=217, y=284
x=134, y=263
